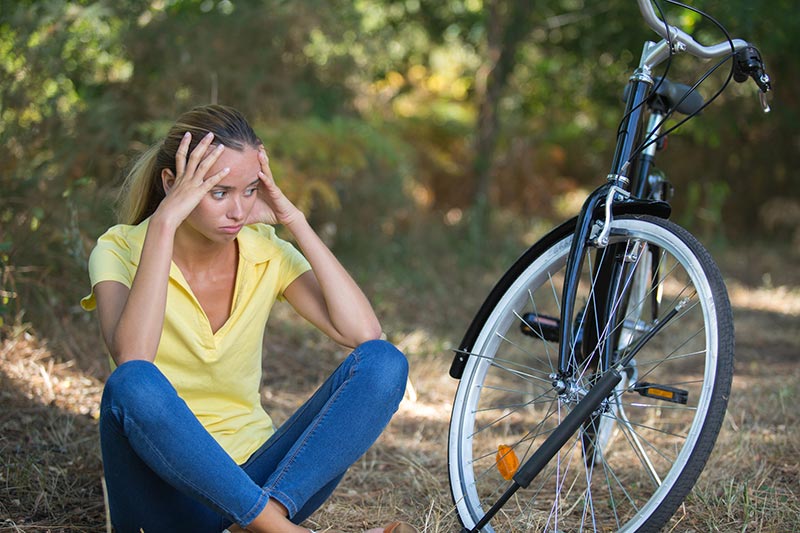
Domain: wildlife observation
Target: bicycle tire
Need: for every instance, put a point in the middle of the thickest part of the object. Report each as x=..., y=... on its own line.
x=506, y=395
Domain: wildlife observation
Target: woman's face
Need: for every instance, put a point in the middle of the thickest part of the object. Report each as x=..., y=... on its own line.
x=223, y=211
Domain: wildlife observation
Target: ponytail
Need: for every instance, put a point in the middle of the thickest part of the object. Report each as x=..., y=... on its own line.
x=139, y=196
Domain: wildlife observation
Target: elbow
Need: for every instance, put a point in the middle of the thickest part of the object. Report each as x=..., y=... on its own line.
x=373, y=331
x=122, y=352
x=123, y=356
x=369, y=332
x=372, y=334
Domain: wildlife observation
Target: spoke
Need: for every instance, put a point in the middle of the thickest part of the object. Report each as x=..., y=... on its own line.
x=611, y=495
x=588, y=502
x=609, y=470
x=535, y=401
x=525, y=376
x=507, y=389
x=528, y=437
x=561, y=478
x=638, y=305
x=617, y=301
x=556, y=298
x=534, y=381
x=671, y=356
x=495, y=421
x=546, y=344
x=652, y=446
x=515, y=406
x=638, y=449
x=525, y=352
x=657, y=430
x=546, y=417
x=659, y=406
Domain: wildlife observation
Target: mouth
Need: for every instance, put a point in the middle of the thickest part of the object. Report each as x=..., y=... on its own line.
x=231, y=229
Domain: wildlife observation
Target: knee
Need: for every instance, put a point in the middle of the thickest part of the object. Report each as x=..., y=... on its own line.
x=385, y=367
x=133, y=385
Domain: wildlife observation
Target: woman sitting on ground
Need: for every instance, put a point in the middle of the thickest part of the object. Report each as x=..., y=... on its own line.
x=183, y=289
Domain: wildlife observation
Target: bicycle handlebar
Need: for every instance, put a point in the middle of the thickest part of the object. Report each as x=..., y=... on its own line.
x=747, y=60
x=676, y=35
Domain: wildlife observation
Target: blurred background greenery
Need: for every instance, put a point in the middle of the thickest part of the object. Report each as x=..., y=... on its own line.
x=391, y=122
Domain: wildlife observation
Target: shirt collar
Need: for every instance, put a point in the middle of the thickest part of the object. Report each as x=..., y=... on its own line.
x=256, y=242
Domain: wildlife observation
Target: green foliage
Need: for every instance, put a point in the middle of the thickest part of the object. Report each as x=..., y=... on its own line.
x=369, y=110
x=345, y=170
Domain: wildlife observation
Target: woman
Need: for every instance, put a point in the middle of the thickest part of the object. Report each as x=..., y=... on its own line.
x=183, y=289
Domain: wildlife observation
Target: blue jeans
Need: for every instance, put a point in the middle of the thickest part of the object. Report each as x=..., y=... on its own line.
x=165, y=472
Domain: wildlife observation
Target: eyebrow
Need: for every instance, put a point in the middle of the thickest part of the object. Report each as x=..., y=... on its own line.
x=230, y=188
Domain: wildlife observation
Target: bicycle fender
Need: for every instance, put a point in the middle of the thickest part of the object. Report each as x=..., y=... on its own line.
x=636, y=206
x=463, y=351
x=629, y=207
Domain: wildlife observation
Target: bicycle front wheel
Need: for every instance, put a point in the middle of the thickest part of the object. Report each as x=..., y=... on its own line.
x=649, y=440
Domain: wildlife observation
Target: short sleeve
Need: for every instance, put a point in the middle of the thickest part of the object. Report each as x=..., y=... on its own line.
x=294, y=264
x=260, y=245
x=111, y=260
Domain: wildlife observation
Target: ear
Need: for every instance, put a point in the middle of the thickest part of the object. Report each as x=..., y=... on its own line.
x=167, y=179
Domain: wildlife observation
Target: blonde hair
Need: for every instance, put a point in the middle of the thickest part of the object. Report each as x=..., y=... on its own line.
x=143, y=189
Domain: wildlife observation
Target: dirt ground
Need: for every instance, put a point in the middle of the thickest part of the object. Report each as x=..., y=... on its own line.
x=50, y=469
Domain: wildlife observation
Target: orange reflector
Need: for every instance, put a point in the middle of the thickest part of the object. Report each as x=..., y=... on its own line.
x=661, y=393
x=507, y=462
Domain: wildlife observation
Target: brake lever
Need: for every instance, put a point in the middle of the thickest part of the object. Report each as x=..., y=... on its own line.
x=748, y=64
x=762, y=99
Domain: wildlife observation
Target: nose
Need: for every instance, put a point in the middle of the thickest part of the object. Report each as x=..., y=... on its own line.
x=235, y=209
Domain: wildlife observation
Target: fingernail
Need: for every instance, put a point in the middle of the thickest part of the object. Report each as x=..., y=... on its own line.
x=226, y=170
x=186, y=135
x=209, y=134
x=220, y=146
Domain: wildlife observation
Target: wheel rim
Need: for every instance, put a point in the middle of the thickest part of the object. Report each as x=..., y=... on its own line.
x=492, y=407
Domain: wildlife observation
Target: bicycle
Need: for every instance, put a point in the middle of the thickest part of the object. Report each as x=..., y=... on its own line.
x=595, y=377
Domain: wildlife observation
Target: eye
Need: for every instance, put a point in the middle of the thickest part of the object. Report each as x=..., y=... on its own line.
x=218, y=195
x=250, y=191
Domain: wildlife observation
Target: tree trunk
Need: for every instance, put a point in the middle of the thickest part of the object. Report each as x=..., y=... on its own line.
x=508, y=22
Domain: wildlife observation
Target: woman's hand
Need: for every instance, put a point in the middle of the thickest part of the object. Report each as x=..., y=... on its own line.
x=186, y=189
x=272, y=206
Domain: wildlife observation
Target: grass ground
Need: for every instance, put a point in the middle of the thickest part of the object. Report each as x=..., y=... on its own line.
x=50, y=468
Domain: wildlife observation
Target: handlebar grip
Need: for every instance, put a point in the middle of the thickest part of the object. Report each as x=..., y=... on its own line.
x=748, y=64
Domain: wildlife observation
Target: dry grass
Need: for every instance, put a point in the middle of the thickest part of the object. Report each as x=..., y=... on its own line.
x=50, y=467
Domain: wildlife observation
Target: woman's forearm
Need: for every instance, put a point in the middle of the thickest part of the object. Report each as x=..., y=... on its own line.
x=348, y=308
x=138, y=330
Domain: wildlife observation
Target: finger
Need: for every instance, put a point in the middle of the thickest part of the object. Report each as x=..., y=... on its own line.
x=209, y=183
x=209, y=150
x=208, y=162
x=196, y=156
x=264, y=161
x=180, y=155
x=271, y=187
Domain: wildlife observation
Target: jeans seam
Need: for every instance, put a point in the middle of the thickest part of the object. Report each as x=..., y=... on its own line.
x=250, y=515
x=272, y=488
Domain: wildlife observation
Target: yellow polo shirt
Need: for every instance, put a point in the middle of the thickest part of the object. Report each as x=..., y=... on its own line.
x=217, y=374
